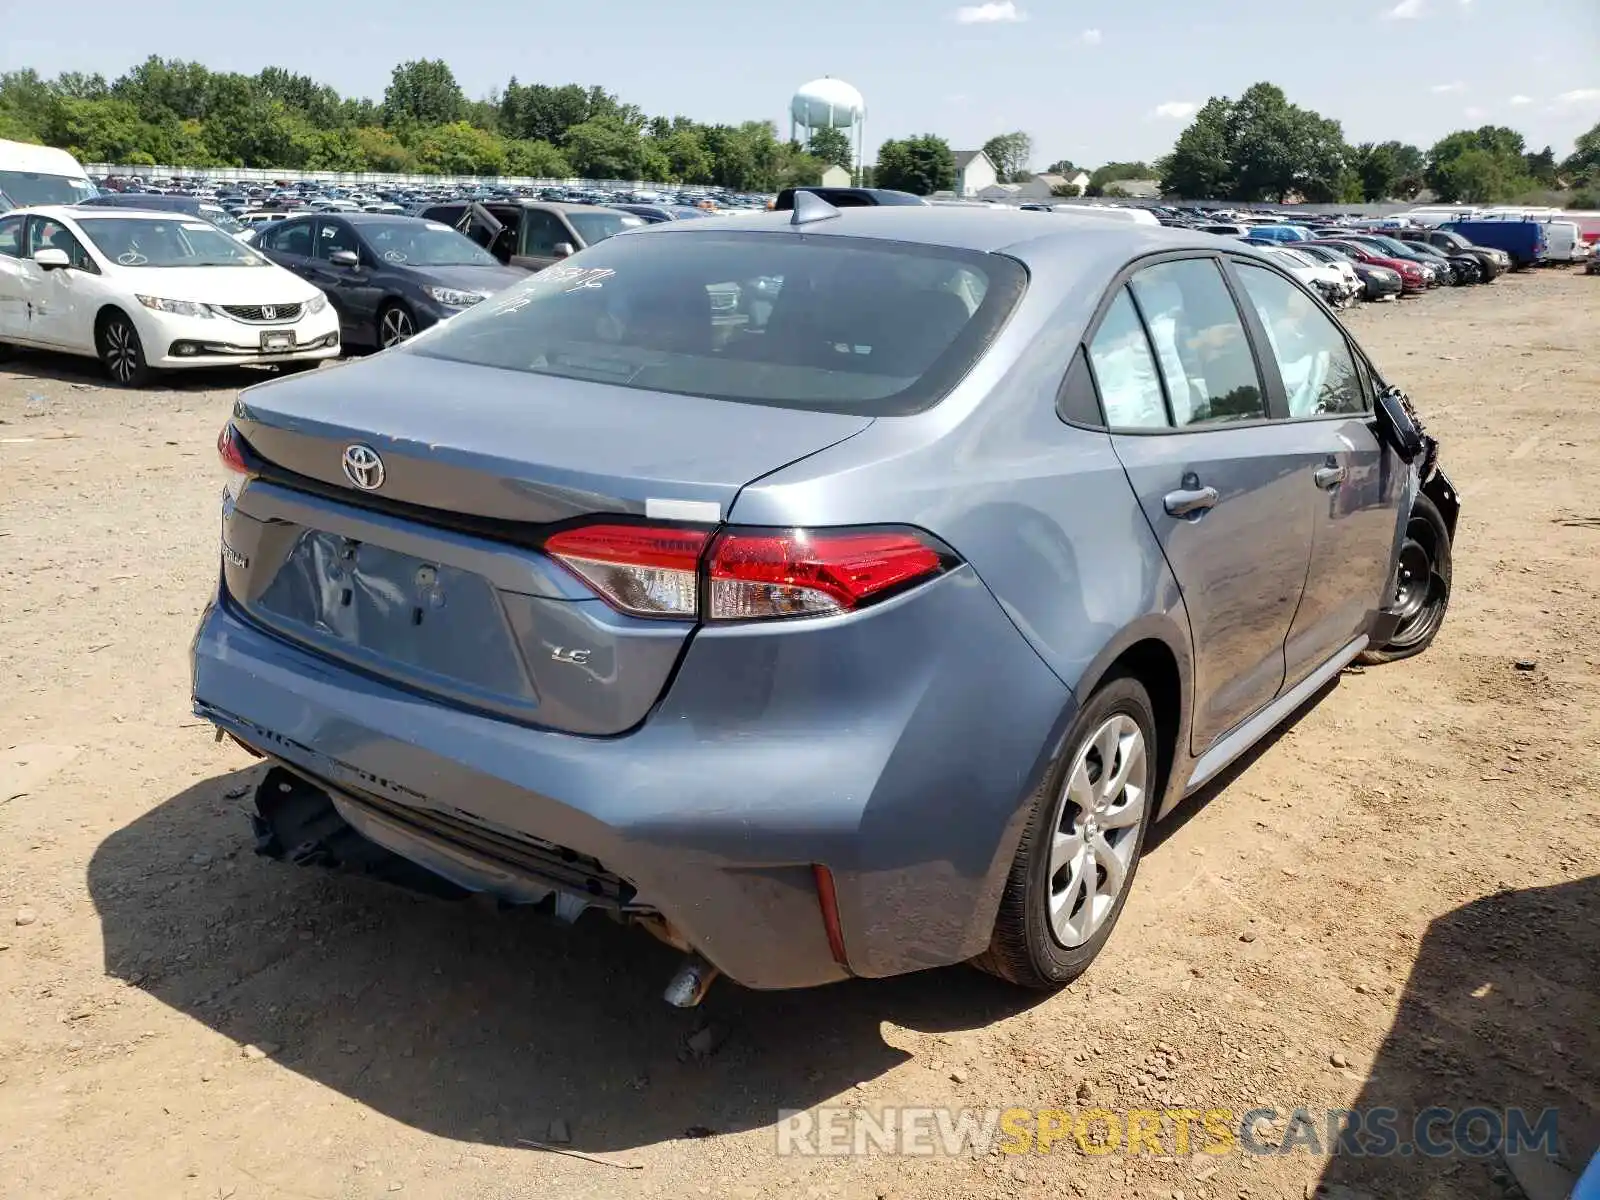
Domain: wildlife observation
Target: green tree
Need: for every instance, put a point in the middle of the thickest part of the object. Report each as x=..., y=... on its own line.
x=460, y=149
x=422, y=93
x=541, y=160
x=1010, y=152
x=1117, y=172
x=382, y=151
x=688, y=158
x=1200, y=166
x=831, y=147
x=1584, y=163
x=609, y=148
x=919, y=165
x=1377, y=169
x=1280, y=149
x=1062, y=166
x=1477, y=166
x=1064, y=189
x=1541, y=168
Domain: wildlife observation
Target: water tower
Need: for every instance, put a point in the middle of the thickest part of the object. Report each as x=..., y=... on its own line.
x=829, y=103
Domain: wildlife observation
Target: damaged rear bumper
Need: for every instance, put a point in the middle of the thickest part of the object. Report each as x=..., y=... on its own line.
x=717, y=820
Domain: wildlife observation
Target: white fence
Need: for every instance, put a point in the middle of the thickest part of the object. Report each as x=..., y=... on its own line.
x=350, y=178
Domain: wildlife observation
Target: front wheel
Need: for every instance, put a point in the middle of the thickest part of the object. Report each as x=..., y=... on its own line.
x=395, y=325
x=121, y=351
x=1080, y=850
x=1421, y=586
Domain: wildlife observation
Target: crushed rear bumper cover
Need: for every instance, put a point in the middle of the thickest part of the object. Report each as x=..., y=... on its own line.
x=900, y=757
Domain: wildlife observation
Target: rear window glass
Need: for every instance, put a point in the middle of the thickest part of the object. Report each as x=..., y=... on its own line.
x=816, y=322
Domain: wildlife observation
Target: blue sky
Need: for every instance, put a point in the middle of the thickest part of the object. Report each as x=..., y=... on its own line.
x=1090, y=80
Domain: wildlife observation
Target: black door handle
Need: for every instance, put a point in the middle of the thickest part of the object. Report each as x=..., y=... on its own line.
x=1328, y=478
x=1190, y=502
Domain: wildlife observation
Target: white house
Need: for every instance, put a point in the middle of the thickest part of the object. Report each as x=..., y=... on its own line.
x=836, y=177
x=974, y=173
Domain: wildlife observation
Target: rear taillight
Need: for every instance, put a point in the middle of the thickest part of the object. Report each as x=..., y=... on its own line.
x=802, y=573
x=230, y=451
x=645, y=570
x=745, y=574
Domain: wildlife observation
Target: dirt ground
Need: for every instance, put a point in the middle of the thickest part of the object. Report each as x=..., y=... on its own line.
x=1396, y=902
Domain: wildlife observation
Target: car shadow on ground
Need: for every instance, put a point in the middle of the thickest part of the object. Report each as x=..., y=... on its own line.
x=1501, y=1012
x=81, y=372
x=476, y=1024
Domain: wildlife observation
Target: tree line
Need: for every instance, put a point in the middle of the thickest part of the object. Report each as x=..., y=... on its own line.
x=1259, y=147
x=173, y=112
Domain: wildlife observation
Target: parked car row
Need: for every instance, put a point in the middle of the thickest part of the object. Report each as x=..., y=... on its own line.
x=108, y=277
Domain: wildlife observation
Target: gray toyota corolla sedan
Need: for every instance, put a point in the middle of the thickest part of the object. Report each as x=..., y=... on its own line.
x=829, y=593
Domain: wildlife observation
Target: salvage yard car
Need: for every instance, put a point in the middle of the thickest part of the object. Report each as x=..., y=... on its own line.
x=387, y=276
x=146, y=291
x=865, y=631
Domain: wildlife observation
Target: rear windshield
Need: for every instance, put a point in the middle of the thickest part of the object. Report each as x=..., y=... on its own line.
x=815, y=322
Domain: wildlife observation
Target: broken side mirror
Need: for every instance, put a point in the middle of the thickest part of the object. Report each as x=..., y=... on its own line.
x=1398, y=425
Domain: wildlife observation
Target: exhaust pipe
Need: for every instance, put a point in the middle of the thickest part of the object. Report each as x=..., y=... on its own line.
x=690, y=985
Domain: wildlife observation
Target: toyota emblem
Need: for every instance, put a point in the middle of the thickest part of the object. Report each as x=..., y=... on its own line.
x=363, y=467
x=268, y=313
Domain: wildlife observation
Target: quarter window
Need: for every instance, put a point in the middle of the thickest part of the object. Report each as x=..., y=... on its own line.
x=1200, y=343
x=11, y=237
x=1125, y=370
x=1319, y=372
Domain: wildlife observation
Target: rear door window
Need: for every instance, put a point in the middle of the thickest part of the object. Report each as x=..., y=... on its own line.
x=834, y=325
x=1319, y=372
x=1200, y=342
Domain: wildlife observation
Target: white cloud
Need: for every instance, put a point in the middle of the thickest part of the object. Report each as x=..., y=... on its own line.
x=1474, y=114
x=990, y=13
x=1177, y=110
x=1577, y=97
x=1519, y=101
x=1406, y=10
x=1091, y=37
x=1444, y=89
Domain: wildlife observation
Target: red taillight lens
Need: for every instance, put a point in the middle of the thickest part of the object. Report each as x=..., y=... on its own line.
x=799, y=573
x=750, y=574
x=228, y=449
x=645, y=570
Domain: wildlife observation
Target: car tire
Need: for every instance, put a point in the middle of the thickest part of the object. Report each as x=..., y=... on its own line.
x=396, y=324
x=1045, y=893
x=121, y=351
x=1422, y=585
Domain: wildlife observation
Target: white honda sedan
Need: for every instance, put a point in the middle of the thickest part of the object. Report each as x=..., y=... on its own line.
x=153, y=291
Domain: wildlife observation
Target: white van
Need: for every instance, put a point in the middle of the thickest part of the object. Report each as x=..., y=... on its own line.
x=1138, y=216
x=1565, y=242
x=1439, y=214
x=32, y=174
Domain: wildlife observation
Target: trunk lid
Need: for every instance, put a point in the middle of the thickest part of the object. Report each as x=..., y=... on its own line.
x=433, y=578
x=483, y=442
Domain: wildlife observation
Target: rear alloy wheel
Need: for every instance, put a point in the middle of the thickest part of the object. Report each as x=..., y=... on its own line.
x=1079, y=853
x=395, y=325
x=122, y=352
x=1422, y=585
